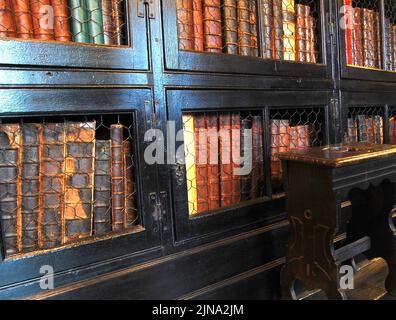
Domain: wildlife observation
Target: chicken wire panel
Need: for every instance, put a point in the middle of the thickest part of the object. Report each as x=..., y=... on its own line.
x=101, y=22
x=223, y=159
x=292, y=129
x=65, y=179
x=365, y=124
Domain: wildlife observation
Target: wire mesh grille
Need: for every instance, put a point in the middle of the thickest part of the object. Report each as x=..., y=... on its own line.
x=392, y=129
x=223, y=158
x=293, y=129
x=101, y=22
x=291, y=28
x=65, y=179
x=365, y=124
x=390, y=35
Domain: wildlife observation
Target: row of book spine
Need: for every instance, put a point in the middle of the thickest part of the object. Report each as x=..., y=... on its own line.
x=84, y=21
x=212, y=160
x=363, y=128
x=59, y=184
x=392, y=133
x=231, y=27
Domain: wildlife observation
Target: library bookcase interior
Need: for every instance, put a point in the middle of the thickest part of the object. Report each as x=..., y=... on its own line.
x=85, y=83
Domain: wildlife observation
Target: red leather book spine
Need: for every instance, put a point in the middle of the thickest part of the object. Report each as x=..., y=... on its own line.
x=185, y=24
x=213, y=161
x=368, y=38
x=23, y=19
x=198, y=25
x=212, y=26
x=257, y=157
x=43, y=28
x=226, y=167
x=275, y=141
x=348, y=11
x=311, y=53
x=284, y=138
x=61, y=21
x=302, y=33
x=377, y=41
x=7, y=22
x=236, y=156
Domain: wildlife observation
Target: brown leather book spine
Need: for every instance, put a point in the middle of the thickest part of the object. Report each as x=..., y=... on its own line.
x=275, y=161
x=253, y=28
x=284, y=138
x=268, y=28
x=198, y=25
x=226, y=167
x=61, y=21
x=357, y=34
x=293, y=137
x=311, y=52
x=394, y=46
x=7, y=22
x=258, y=162
x=43, y=29
x=377, y=41
x=348, y=30
x=244, y=31
x=117, y=178
x=231, y=26
x=212, y=26
x=23, y=19
x=302, y=31
x=185, y=24
x=213, y=161
x=201, y=165
x=109, y=31
x=389, y=59
x=236, y=155
x=118, y=7
x=130, y=207
x=392, y=130
x=278, y=30
x=369, y=45
x=247, y=153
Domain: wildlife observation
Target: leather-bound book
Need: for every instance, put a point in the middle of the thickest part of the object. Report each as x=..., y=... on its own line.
x=357, y=36
x=278, y=30
x=118, y=7
x=289, y=30
x=200, y=140
x=23, y=19
x=95, y=21
x=130, y=206
x=348, y=13
x=294, y=137
x=236, y=155
x=189, y=155
x=392, y=130
x=102, y=188
x=352, y=130
x=61, y=21
x=79, y=176
x=30, y=178
x=362, y=128
x=185, y=24
x=389, y=59
x=43, y=28
x=109, y=32
x=52, y=185
x=377, y=41
x=226, y=166
x=311, y=51
x=244, y=30
x=378, y=132
x=212, y=26
x=369, y=44
x=7, y=22
x=370, y=129
x=253, y=28
x=247, y=154
x=267, y=13
x=284, y=138
x=258, y=162
x=394, y=47
x=117, y=178
x=213, y=160
x=303, y=136
x=198, y=25
x=79, y=21
x=275, y=162
x=302, y=32
x=230, y=26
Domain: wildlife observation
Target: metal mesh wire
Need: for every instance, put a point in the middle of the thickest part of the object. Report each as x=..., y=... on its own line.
x=99, y=22
x=291, y=28
x=293, y=129
x=365, y=124
x=65, y=179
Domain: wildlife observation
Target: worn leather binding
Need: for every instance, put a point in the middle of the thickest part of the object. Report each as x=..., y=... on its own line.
x=200, y=139
x=278, y=30
x=362, y=128
x=311, y=52
x=392, y=130
x=303, y=136
x=79, y=176
x=117, y=178
x=348, y=12
x=378, y=132
x=212, y=26
x=247, y=154
x=43, y=29
x=130, y=207
x=394, y=46
x=7, y=22
x=302, y=34
x=244, y=30
x=236, y=156
x=23, y=19
x=289, y=30
x=357, y=36
x=275, y=141
x=284, y=138
x=118, y=20
x=226, y=167
x=253, y=28
x=52, y=185
x=389, y=45
x=294, y=135
x=258, y=159
x=79, y=21
x=185, y=24
x=61, y=21
x=267, y=13
x=213, y=161
x=198, y=25
x=109, y=32
x=30, y=178
x=230, y=26
x=352, y=130
x=369, y=45
x=95, y=21
x=370, y=127
x=102, y=188
x=377, y=41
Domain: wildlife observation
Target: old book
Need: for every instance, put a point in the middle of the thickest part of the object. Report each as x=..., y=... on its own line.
x=257, y=157
x=352, y=130
x=79, y=177
x=244, y=30
x=377, y=41
x=95, y=21
x=378, y=129
x=226, y=167
x=362, y=128
x=52, y=185
x=109, y=31
x=284, y=138
x=198, y=25
x=130, y=206
x=43, y=27
x=311, y=51
x=118, y=16
x=185, y=24
x=201, y=165
x=189, y=155
x=302, y=32
x=278, y=30
x=389, y=59
x=289, y=30
x=370, y=129
x=369, y=44
x=247, y=156
x=212, y=26
x=253, y=28
x=392, y=130
x=102, y=188
x=23, y=19
x=61, y=21
x=79, y=21
x=30, y=177
x=267, y=13
x=275, y=161
x=357, y=36
x=394, y=46
x=303, y=137
x=213, y=160
x=117, y=178
x=348, y=15
x=230, y=26
x=294, y=137
x=7, y=22
x=236, y=156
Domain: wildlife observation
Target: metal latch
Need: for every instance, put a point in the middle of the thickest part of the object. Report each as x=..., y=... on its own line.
x=141, y=7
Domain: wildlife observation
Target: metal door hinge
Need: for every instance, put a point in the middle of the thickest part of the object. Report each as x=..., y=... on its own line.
x=159, y=205
x=331, y=28
x=142, y=8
